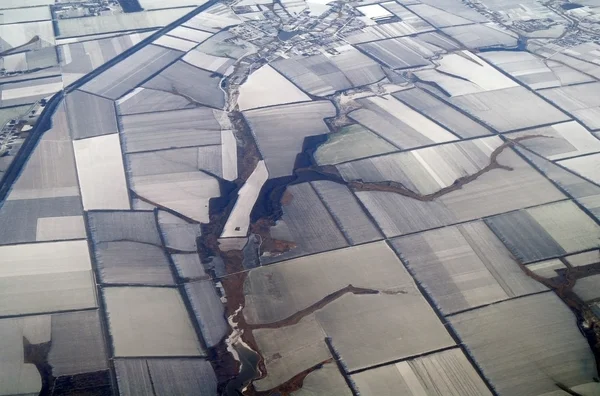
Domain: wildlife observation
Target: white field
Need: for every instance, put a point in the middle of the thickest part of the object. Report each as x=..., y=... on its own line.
x=160, y=4
x=300, y=346
x=465, y=65
x=25, y=3
x=20, y=15
x=518, y=358
x=525, y=108
x=16, y=376
x=568, y=225
x=588, y=288
x=209, y=62
x=31, y=91
x=534, y=71
x=212, y=22
x=374, y=11
x=66, y=227
x=136, y=37
x=229, y=155
x=581, y=259
x=186, y=192
x=392, y=326
x=266, y=87
x=146, y=321
x=189, y=34
x=326, y=381
x=464, y=266
x=412, y=119
x=20, y=33
x=587, y=166
x=582, y=101
x=547, y=269
x=238, y=222
x=425, y=170
x=175, y=43
x=101, y=173
x=494, y=192
x=446, y=373
x=45, y=277
x=351, y=143
x=119, y=22
x=482, y=35
x=578, y=140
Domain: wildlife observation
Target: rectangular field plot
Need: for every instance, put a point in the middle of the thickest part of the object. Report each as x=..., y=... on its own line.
x=322, y=75
x=582, y=101
x=175, y=43
x=77, y=344
x=26, y=92
x=585, y=193
x=119, y=22
x=409, y=24
x=533, y=71
x=45, y=277
x=172, y=179
x=525, y=108
x=484, y=35
x=517, y=358
x=429, y=198
x=440, y=16
x=395, y=320
x=588, y=288
x=327, y=381
x=190, y=34
x=439, y=374
x=559, y=141
x=80, y=58
x=35, y=63
x=441, y=112
x=212, y=21
x=172, y=129
x=198, y=86
x=582, y=259
x=216, y=64
x=398, y=53
x=587, y=166
x=464, y=73
x=546, y=231
x=209, y=311
x=346, y=212
x=143, y=100
x=398, y=124
x=177, y=233
x=307, y=223
x=20, y=34
x=128, y=248
x=280, y=131
x=101, y=173
x=165, y=376
x=20, y=15
x=547, y=269
x=464, y=266
x=266, y=87
x=146, y=321
x=90, y=115
x=189, y=266
x=349, y=143
x=131, y=71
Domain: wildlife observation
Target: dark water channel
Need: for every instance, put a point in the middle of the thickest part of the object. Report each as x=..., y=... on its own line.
x=248, y=370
